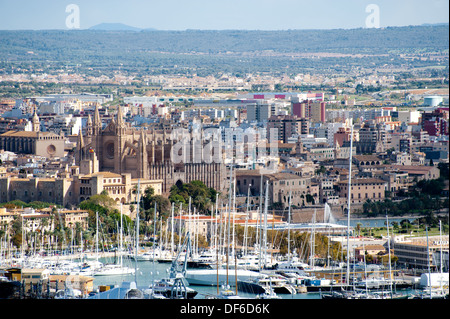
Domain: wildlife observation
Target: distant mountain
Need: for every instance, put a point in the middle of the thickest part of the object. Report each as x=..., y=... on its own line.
x=114, y=27
x=435, y=24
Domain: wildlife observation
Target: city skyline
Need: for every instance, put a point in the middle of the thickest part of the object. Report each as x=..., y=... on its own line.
x=221, y=15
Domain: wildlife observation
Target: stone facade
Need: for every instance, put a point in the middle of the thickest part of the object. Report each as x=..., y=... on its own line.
x=145, y=154
x=34, y=142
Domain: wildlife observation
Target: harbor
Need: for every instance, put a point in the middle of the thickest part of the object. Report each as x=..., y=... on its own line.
x=308, y=284
x=312, y=266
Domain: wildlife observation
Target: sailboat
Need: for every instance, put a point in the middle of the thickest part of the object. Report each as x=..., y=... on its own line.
x=174, y=287
x=116, y=269
x=345, y=294
x=221, y=276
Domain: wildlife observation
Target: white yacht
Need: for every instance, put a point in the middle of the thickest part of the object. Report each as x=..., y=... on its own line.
x=213, y=277
x=278, y=284
x=114, y=270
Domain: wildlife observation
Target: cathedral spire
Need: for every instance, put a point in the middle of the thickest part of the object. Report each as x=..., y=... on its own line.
x=142, y=156
x=89, y=125
x=142, y=136
x=80, y=146
x=97, y=121
x=120, y=122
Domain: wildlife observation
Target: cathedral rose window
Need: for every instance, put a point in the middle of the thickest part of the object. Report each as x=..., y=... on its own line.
x=110, y=150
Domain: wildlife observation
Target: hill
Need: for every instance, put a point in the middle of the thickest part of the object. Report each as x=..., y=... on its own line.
x=201, y=51
x=114, y=27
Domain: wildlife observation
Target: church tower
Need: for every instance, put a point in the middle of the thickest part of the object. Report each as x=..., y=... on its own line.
x=97, y=124
x=35, y=123
x=119, y=144
x=142, y=160
x=89, y=163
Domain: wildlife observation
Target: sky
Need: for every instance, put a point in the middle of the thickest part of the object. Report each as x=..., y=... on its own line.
x=221, y=14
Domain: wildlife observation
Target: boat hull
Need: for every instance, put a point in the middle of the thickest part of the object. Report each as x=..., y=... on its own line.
x=213, y=277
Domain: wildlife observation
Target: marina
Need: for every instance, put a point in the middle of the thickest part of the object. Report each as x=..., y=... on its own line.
x=224, y=270
x=153, y=277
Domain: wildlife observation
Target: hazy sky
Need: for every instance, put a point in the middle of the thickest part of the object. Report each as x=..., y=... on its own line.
x=221, y=14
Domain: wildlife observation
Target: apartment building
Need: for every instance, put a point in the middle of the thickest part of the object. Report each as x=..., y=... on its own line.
x=418, y=252
x=287, y=126
x=315, y=111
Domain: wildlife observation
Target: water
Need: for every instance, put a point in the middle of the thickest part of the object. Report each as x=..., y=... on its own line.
x=148, y=271
x=372, y=222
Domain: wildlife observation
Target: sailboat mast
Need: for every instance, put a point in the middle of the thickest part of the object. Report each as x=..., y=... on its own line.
x=153, y=245
x=348, y=203
x=440, y=244
x=179, y=225
x=266, y=207
x=137, y=231
x=121, y=234
x=229, y=215
x=428, y=257
x=234, y=216
x=289, y=227
x=171, y=237
x=96, y=235
x=313, y=240
x=216, y=225
x=246, y=221
x=389, y=254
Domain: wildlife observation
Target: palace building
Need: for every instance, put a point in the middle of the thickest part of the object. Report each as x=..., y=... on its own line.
x=35, y=142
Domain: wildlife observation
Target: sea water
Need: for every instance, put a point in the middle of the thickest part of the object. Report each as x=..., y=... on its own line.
x=147, y=271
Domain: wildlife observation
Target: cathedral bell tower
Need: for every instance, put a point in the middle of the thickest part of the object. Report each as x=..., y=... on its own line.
x=142, y=160
x=120, y=142
x=35, y=123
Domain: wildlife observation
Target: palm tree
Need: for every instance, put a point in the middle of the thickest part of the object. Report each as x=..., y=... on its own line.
x=358, y=228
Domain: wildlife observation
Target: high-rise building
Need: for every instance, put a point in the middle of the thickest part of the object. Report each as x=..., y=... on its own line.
x=260, y=111
x=435, y=122
x=373, y=138
x=315, y=111
x=287, y=126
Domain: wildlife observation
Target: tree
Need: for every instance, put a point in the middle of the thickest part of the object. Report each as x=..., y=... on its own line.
x=444, y=170
x=201, y=196
x=309, y=199
x=101, y=203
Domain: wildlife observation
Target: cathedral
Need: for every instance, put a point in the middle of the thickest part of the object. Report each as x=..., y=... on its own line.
x=145, y=154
